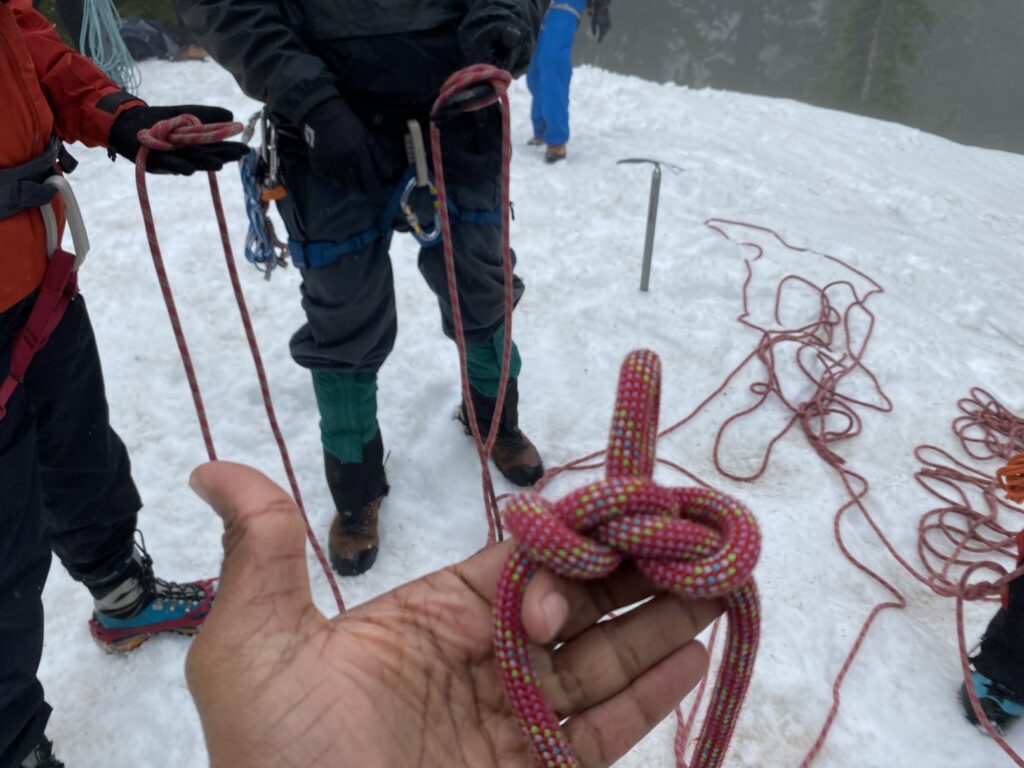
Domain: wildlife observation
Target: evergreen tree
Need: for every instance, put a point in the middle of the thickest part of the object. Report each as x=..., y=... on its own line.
x=876, y=43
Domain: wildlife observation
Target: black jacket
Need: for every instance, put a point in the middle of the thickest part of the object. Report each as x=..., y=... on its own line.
x=272, y=46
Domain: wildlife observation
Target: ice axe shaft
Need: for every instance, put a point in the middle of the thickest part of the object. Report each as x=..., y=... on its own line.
x=652, y=213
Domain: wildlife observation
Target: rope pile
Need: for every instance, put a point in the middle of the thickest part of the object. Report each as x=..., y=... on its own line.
x=101, y=41
x=958, y=543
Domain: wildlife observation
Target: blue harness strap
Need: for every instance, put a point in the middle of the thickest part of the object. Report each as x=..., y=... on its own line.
x=317, y=254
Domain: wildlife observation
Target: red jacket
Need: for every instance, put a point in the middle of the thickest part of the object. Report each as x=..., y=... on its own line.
x=45, y=88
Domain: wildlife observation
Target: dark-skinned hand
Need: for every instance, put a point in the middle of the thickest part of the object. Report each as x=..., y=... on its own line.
x=410, y=678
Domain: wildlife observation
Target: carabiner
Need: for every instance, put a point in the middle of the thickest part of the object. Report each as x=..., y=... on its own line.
x=73, y=218
x=425, y=237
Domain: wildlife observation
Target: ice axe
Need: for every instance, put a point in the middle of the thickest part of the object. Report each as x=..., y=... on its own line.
x=652, y=210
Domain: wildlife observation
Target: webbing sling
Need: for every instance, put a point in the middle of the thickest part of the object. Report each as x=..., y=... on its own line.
x=59, y=288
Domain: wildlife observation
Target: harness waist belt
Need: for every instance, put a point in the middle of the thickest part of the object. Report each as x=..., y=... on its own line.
x=21, y=187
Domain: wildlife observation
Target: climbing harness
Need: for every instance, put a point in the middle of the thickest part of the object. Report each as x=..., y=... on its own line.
x=316, y=254
x=404, y=212
x=261, y=183
x=24, y=186
x=693, y=542
x=58, y=290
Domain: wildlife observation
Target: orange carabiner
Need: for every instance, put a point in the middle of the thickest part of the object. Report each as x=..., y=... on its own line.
x=1011, y=479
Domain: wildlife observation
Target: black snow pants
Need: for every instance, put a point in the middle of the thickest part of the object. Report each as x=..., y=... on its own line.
x=65, y=486
x=350, y=302
x=1001, y=656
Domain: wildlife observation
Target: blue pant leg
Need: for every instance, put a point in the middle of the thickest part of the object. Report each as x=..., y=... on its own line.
x=555, y=62
x=533, y=82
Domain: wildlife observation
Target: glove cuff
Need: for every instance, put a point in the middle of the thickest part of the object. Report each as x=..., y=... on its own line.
x=119, y=101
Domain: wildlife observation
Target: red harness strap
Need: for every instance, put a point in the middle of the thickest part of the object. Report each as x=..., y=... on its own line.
x=59, y=288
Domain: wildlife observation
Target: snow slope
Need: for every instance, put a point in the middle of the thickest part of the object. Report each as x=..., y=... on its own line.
x=935, y=223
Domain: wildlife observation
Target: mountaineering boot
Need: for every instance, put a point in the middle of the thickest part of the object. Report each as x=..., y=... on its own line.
x=133, y=605
x=42, y=757
x=997, y=702
x=513, y=453
x=555, y=152
x=358, y=488
x=536, y=141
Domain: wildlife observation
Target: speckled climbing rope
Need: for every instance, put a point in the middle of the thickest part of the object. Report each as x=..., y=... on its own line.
x=694, y=542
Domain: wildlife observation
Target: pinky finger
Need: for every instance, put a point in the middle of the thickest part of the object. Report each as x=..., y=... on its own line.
x=607, y=731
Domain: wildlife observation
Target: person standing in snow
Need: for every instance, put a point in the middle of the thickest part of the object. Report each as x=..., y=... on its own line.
x=65, y=482
x=341, y=81
x=550, y=71
x=997, y=670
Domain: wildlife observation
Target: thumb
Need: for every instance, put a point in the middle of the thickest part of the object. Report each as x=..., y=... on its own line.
x=264, y=579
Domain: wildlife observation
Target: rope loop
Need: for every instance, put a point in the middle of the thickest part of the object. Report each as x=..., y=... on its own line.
x=694, y=542
x=988, y=429
x=468, y=90
x=471, y=89
x=185, y=131
x=691, y=541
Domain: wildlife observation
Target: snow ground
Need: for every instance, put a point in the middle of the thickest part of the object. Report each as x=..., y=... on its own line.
x=934, y=222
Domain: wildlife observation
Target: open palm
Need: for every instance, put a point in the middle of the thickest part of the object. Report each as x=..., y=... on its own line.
x=410, y=678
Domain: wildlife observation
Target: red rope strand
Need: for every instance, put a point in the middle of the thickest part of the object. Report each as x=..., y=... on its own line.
x=184, y=131
x=459, y=83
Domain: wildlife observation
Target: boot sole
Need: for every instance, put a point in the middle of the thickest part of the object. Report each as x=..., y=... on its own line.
x=522, y=476
x=131, y=643
x=354, y=566
x=999, y=723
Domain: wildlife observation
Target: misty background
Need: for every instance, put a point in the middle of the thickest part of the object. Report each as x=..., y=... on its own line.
x=950, y=67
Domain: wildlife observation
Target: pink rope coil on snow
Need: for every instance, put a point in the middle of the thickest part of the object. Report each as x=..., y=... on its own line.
x=694, y=542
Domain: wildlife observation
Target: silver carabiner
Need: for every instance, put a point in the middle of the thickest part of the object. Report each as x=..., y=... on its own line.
x=269, y=150
x=418, y=152
x=73, y=218
x=426, y=237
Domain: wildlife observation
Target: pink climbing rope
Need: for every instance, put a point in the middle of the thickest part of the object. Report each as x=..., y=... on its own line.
x=694, y=542
x=460, y=83
x=185, y=131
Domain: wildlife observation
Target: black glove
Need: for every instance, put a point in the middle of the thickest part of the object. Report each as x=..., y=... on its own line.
x=499, y=40
x=340, y=147
x=601, y=19
x=124, y=140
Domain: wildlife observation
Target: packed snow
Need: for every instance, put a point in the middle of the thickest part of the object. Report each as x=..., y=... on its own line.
x=936, y=223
